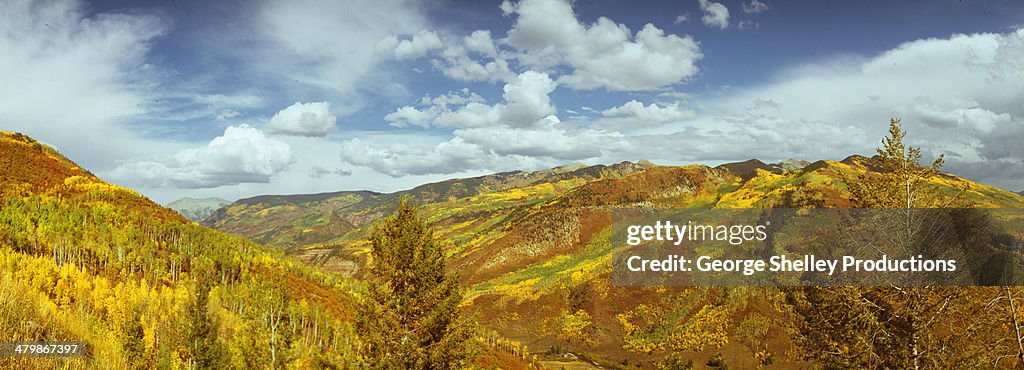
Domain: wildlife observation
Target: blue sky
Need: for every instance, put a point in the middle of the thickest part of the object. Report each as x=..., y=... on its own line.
x=240, y=98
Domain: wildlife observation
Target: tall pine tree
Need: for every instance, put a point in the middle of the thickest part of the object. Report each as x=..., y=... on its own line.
x=410, y=316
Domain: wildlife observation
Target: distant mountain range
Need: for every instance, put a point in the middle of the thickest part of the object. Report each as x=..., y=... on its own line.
x=484, y=213
x=292, y=220
x=197, y=209
x=518, y=239
x=285, y=221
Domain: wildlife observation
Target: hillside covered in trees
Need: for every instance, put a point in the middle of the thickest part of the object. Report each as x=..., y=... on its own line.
x=535, y=249
x=140, y=286
x=85, y=261
x=335, y=283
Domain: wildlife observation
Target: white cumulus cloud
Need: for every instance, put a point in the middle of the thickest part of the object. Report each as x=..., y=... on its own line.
x=715, y=14
x=415, y=47
x=601, y=55
x=500, y=148
x=399, y=160
x=635, y=113
x=548, y=139
x=526, y=101
x=303, y=119
x=456, y=63
x=480, y=42
x=243, y=154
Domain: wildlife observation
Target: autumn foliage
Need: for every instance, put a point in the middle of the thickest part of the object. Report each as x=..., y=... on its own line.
x=82, y=260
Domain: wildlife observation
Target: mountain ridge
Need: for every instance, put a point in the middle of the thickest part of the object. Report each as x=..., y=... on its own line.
x=361, y=207
x=197, y=209
x=325, y=221
x=540, y=248
x=324, y=216
x=31, y=166
x=140, y=286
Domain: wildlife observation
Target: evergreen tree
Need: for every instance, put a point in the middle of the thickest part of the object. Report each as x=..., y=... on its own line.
x=201, y=332
x=410, y=317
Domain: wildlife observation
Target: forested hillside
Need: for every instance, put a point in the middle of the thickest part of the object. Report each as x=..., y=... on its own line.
x=82, y=260
x=536, y=258
x=285, y=221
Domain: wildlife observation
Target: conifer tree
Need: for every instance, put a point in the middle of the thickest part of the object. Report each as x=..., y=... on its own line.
x=410, y=316
x=200, y=331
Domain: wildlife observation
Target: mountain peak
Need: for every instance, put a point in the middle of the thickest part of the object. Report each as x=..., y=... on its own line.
x=187, y=200
x=197, y=209
x=568, y=167
x=747, y=168
x=792, y=164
